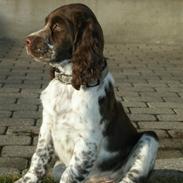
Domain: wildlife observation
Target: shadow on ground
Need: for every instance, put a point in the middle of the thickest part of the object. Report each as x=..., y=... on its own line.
x=166, y=176
x=158, y=175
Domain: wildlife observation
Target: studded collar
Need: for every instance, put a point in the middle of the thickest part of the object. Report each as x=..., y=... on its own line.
x=66, y=78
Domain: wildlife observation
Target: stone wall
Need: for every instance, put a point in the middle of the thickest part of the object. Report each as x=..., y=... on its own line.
x=123, y=21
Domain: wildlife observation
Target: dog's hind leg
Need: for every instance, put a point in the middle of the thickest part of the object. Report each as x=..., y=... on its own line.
x=141, y=159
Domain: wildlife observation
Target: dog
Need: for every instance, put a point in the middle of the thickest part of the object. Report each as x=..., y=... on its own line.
x=82, y=122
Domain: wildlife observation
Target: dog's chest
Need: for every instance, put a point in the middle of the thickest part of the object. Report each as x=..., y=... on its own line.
x=65, y=134
x=74, y=115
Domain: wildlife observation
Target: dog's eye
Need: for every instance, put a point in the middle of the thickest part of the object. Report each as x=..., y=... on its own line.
x=56, y=27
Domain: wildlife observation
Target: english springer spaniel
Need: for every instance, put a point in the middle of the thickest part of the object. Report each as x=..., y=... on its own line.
x=83, y=124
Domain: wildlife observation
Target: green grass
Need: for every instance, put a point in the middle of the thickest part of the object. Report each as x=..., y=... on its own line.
x=156, y=179
x=8, y=179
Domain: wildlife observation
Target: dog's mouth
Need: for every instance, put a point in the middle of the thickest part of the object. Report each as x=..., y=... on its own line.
x=44, y=53
x=39, y=49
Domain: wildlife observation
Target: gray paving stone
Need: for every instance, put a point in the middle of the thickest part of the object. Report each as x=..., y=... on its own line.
x=18, y=77
x=168, y=154
x=135, y=80
x=161, y=125
x=167, y=117
x=171, y=164
x=16, y=122
x=36, y=86
x=18, y=107
x=149, y=82
x=134, y=104
x=22, y=130
x=169, y=89
x=5, y=114
x=18, y=151
x=30, y=90
x=171, y=144
x=15, y=73
x=8, y=171
x=26, y=114
x=167, y=82
x=19, y=94
x=33, y=82
x=151, y=111
x=2, y=130
x=123, y=85
x=14, y=140
x=2, y=78
x=143, y=89
x=142, y=117
x=165, y=104
x=144, y=99
x=158, y=94
x=127, y=93
x=178, y=111
x=39, y=122
x=178, y=133
x=13, y=81
x=5, y=94
x=35, y=141
x=32, y=101
x=173, y=99
x=9, y=90
x=17, y=163
x=4, y=71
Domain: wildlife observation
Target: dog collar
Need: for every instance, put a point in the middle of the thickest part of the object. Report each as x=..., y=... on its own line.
x=67, y=79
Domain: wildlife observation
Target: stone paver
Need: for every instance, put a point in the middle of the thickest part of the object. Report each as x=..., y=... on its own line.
x=14, y=140
x=23, y=130
x=2, y=130
x=174, y=164
x=148, y=82
x=16, y=122
x=4, y=171
x=18, y=163
x=18, y=151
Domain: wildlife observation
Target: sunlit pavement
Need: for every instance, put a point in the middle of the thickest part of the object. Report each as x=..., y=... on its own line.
x=149, y=83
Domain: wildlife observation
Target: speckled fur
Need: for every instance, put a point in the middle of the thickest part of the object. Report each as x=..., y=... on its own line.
x=86, y=127
x=71, y=127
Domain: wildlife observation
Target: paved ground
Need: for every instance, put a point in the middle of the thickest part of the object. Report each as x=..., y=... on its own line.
x=149, y=82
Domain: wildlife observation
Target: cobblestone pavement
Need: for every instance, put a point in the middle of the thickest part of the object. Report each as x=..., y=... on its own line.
x=149, y=82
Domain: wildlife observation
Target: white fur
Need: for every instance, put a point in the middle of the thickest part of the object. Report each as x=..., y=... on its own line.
x=73, y=114
x=71, y=120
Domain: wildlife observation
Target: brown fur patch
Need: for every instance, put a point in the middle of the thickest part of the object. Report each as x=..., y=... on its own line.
x=120, y=133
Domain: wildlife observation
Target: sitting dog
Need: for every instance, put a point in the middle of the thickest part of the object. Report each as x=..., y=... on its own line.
x=83, y=123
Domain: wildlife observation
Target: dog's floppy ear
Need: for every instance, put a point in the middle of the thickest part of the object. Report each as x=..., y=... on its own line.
x=87, y=56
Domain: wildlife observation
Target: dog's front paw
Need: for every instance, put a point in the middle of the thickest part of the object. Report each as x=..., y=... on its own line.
x=28, y=178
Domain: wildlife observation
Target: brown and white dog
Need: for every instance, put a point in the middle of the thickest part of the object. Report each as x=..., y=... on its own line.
x=83, y=123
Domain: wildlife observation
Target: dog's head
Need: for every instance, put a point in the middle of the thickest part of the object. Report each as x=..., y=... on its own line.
x=70, y=32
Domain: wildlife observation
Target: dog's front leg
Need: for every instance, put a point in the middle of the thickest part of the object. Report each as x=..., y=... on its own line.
x=82, y=161
x=42, y=154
